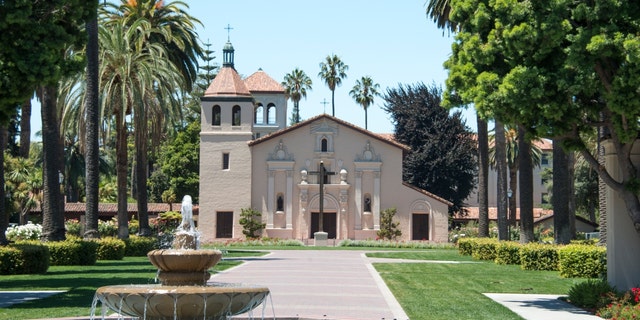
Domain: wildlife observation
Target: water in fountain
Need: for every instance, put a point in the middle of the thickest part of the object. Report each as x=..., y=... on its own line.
x=183, y=293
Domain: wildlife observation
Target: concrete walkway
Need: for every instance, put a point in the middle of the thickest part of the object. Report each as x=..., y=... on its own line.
x=343, y=285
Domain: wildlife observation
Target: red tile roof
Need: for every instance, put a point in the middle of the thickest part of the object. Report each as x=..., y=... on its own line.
x=227, y=83
x=260, y=81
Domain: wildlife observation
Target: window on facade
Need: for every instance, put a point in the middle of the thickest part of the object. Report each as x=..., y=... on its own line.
x=225, y=161
x=216, y=115
x=236, y=116
x=544, y=160
x=367, y=203
x=271, y=114
x=324, y=145
x=545, y=198
x=259, y=114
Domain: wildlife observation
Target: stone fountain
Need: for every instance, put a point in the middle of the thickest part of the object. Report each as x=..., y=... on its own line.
x=183, y=292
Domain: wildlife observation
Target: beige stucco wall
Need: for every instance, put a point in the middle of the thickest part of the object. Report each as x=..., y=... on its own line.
x=275, y=174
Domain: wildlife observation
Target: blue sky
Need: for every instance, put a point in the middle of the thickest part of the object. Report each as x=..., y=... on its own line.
x=393, y=42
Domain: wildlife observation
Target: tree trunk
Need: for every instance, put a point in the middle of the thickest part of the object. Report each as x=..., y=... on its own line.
x=92, y=128
x=25, y=129
x=483, y=178
x=141, y=170
x=501, y=168
x=52, y=215
x=602, y=193
x=561, y=189
x=4, y=217
x=513, y=189
x=526, y=187
x=121, y=175
x=571, y=160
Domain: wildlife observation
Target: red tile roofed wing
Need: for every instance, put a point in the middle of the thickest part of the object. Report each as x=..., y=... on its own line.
x=260, y=81
x=227, y=83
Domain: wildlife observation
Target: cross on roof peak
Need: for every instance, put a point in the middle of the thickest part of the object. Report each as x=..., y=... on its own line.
x=228, y=28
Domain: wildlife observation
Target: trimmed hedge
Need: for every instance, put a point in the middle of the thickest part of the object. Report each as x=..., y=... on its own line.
x=465, y=246
x=110, y=248
x=536, y=256
x=508, y=252
x=484, y=249
x=72, y=252
x=582, y=261
x=137, y=246
x=24, y=258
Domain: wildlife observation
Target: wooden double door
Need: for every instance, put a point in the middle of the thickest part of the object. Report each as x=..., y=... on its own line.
x=329, y=224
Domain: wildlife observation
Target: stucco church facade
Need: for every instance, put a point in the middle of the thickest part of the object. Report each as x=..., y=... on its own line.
x=249, y=158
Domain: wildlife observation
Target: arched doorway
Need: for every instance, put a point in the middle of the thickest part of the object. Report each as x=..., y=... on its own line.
x=329, y=218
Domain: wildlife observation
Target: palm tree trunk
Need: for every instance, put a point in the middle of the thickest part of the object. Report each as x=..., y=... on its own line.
x=513, y=189
x=483, y=177
x=141, y=171
x=92, y=128
x=501, y=168
x=333, y=103
x=4, y=218
x=365, y=119
x=561, y=224
x=25, y=129
x=52, y=215
x=526, y=187
x=121, y=174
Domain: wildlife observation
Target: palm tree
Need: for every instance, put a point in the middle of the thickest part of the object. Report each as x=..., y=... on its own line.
x=296, y=83
x=92, y=131
x=364, y=92
x=131, y=75
x=173, y=30
x=438, y=11
x=332, y=71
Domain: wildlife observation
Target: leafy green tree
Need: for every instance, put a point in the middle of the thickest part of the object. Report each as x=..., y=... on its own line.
x=439, y=11
x=250, y=220
x=296, y=83
x=333, y=71
x=363, y=92
x=436, y=162
x=178, y=166
x=388, y=228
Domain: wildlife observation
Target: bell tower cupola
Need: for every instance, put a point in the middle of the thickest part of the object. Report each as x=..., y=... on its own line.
x=227, y=51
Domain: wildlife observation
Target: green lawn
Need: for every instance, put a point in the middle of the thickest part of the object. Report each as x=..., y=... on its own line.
x=81, y=283
x=425, y=290
x=454, y=291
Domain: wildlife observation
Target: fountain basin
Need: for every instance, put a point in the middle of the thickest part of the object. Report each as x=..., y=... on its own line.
x=184, y=260
x=160, y=302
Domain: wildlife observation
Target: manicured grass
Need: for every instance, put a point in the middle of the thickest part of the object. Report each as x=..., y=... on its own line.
x=454, y=291
x=425, y=290
x=81, y=283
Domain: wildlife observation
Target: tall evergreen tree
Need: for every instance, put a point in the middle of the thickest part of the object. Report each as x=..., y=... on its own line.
x=436, y=162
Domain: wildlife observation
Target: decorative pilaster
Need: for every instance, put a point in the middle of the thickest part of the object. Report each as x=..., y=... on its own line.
x=289, y=207
x=376, y=201
x=270, y=199
x=358, y=195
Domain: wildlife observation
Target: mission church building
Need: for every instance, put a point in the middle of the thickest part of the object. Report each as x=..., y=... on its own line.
x=250, y=159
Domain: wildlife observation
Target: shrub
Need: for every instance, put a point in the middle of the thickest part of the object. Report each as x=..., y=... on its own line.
x=579, y=260
x=108, y=228
x=88, y=252
x=484, y=249
x=27, y=231
x=110, y=248
x=507, y=252
x=469, y=230
x=251, y=222
x=388, y=229
x=73, y=227
x=465, y=246
x=625, y=306
x=137, y=246
x=536, y=256
x=590, y=294
x=24, y=257
x=64, y=253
